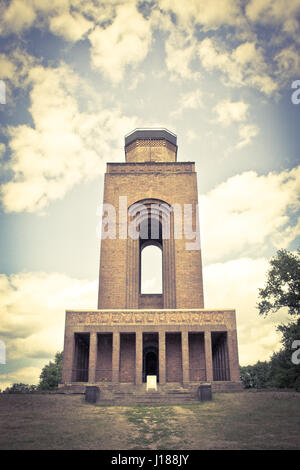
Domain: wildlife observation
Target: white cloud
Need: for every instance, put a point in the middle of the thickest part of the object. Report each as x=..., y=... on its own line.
x=23, y=14
x=288, y=62
x=231, y=111
x=7, y=68
x=246, y=133
x=244, y=65
x=235, y=284
x=248, y=64
x=124, y=42
x=245, y=53
x=121, y=36
x=71, y=26
x=18, y=16
x=33, y=311
x=137, y=79
x=210, y=14
x=27, y=375
x=2, y=149
x=65, y=145
x=180, y=51
x=189, y=100
x=32, y=319
x=191, y=135
x=249, y=212
x=14, y=70
x=278, y=12
x=70, y=19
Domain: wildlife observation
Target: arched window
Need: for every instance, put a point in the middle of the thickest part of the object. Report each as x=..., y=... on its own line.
x=150, y=255
x=151, y=270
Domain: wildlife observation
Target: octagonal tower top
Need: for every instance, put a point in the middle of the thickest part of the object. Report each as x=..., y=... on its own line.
x=150, y=145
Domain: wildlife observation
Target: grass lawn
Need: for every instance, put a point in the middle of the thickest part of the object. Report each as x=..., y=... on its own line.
x=246, y=420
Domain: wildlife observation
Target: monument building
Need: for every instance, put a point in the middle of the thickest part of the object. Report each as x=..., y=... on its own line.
x=151, y=199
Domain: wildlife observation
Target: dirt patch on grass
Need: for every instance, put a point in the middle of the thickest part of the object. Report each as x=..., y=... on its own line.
x=182, y=411
x=155, y=427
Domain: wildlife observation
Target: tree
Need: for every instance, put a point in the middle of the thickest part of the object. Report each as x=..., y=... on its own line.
x=283, y=284
x=20, y=388
x=283, y=291
x=51, y=374
x=283, y=372
x=256, y=376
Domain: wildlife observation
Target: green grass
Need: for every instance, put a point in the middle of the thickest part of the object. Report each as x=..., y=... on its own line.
x=247, y=420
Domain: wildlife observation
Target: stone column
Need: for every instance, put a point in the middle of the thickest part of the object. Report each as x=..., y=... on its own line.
x=93, y=357
x=116, y=356
x=208, y=356
x=233, y=356
x=68, y=357
x=162, y=356
x=185, y=357
x=138, y=357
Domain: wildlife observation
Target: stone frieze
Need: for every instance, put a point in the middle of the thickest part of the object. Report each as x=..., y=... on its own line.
x=175, y=317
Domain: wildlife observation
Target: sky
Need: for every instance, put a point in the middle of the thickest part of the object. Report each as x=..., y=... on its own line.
x=76, y=77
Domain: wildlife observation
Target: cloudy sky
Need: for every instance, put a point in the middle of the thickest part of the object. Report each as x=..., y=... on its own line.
x=79, y=75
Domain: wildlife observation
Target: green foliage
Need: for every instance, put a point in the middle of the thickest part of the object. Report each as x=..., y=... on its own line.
x=290, y=333
x=256, y=376
x=283, y=284
x=282, y=291
x=279, y=372
x=51, y=374
x=20, y=388
x=283, y=372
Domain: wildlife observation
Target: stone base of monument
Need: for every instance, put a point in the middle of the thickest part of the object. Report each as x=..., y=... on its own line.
x=204, y=392
x=92, y=394
x=151, y=382
x=174, y=393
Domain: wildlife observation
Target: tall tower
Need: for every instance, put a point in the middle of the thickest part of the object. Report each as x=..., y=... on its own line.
x=151, y=199
x=151, y=190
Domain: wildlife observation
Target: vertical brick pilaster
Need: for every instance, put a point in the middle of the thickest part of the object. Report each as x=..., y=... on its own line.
x=162, y=357
x=116, y=356
x=132, y=273
x=185, y=357
x=68, y=357
x=139, y=357
x=93, y=357
x=208, y=356
x=233, y=356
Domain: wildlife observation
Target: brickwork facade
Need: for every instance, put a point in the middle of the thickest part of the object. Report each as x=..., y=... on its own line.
x=132, y=335
x=127, y=357
x=173, y=357
x=157, y=182
x=197, y=357
x=104, y=358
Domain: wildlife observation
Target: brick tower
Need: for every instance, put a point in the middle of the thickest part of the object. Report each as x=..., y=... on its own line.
x=151, y=199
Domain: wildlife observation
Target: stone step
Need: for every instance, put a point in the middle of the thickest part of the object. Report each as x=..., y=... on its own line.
x=161, y=401
x=147, y=398
x=167, y=393
x=148, y=394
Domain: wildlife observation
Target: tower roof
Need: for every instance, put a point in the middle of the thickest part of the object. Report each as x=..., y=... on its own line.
x=150, y=134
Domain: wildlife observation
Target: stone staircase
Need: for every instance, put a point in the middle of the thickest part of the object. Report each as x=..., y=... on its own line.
x=128, y=394
x=131, y=394
x=123, y=394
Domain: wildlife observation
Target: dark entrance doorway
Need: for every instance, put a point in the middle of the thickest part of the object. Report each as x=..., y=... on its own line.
x=151, y=363
x=150, y=355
